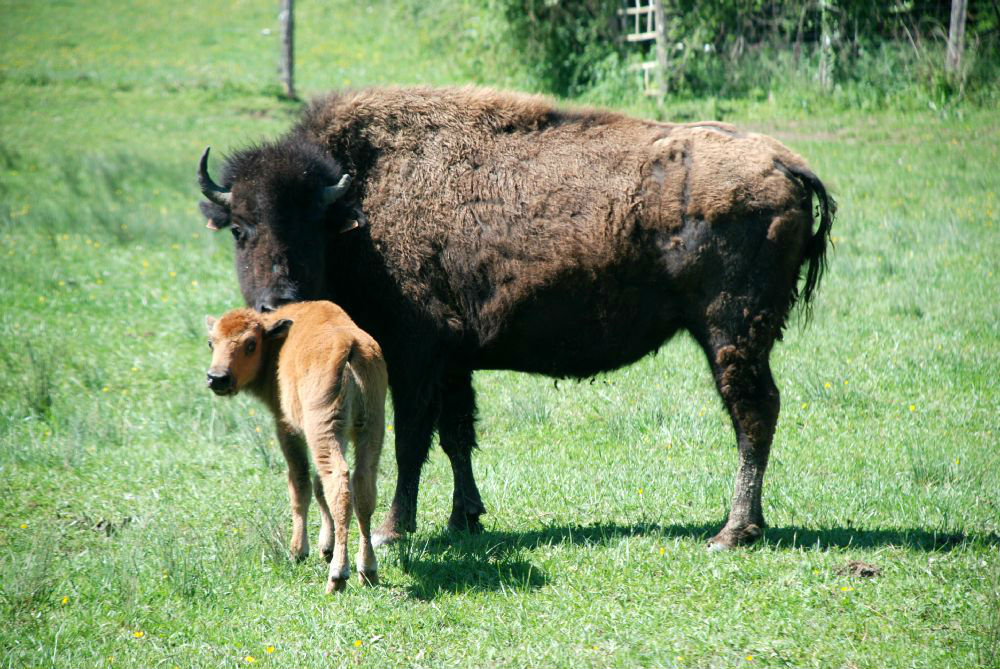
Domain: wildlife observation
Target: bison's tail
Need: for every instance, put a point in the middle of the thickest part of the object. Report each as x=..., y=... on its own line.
x=815, y=250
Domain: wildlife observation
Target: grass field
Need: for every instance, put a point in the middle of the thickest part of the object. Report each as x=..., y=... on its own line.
x=143, y=521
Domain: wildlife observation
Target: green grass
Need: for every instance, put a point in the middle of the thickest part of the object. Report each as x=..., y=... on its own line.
x=132, y=501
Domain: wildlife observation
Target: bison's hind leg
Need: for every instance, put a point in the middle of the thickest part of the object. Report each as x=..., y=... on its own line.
x=742, y=318
x=743, y=378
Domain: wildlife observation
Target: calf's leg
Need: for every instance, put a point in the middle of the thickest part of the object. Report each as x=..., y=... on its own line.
x=457, y=430
x=298, y=490
x=326, y=436
x=367, y=448
x=326, y=521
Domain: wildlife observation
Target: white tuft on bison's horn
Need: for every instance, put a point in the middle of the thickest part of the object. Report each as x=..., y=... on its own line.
x=213, y=191
x=332, y=193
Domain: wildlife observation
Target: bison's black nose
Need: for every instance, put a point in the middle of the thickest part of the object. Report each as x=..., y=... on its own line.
x=220, y=382
x=265, y=307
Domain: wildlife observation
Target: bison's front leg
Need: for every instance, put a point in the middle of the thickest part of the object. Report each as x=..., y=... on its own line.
x=743, y=377
x=414, y=426
x=457, y=430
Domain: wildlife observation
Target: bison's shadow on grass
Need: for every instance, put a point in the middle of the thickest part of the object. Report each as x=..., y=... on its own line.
x=495, y=560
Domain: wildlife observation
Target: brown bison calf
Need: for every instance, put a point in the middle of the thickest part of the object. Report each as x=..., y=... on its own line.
x=324, y=379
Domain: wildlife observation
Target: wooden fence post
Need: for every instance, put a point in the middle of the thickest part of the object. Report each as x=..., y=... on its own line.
x=956, y=37
x=287, y=20
x=661, y=48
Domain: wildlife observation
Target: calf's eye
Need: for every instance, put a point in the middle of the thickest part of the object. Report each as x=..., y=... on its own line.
x=211, y=346
x=251, y=346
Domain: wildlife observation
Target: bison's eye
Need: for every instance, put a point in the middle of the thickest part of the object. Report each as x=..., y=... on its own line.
x=251, y=346
x=237, y=232
x=211, y=346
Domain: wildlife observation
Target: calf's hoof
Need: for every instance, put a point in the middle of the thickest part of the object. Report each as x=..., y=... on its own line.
x=336, y=585
x=328, y=554
x=368, y=578
x=384, y=537
x=731, y=537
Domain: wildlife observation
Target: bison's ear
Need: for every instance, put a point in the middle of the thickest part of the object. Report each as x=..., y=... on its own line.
x=209, y=323
x=355, y=219
x=278, y=329
x=218, y=216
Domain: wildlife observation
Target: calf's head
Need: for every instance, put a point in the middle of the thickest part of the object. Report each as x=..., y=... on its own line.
x=239, y=341
x=284, y=203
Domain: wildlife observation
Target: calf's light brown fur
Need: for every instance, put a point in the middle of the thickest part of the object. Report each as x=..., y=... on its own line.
x=324, y=379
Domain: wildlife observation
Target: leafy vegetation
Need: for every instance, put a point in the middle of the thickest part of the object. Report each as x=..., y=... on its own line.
x=143, y=521
x=878, y=54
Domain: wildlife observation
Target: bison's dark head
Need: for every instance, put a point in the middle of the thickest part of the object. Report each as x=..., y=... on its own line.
x=283, y=204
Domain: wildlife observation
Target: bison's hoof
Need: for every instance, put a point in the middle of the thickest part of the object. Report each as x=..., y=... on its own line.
x=465, y=523
x=731, y=537
x=328, y=554
x=336, y=585
x=368, y=578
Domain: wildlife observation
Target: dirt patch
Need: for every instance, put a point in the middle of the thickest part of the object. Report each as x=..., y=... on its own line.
x=860, y=569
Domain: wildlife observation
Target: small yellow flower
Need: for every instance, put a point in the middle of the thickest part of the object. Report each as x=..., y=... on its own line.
x=663, y=550
x=249, y=659
x=913, y=407
x=41, y=299
x=827, y=385
x=105, y=389
x=138, y=634
x=845, y=382
x=135, y=369
x=62, y=283
x=956, y=461
x=269, y=650
x=357, y=644
x=805, y=405
x=640, y=491
x=24, y=526
x=173, y=275
x=749, y=658
x=194, y=283
x=846, y=588
x=65, y=601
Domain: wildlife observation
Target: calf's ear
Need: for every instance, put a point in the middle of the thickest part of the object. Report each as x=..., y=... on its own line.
x=209, y=323
x=218, y=216
x=278, y=329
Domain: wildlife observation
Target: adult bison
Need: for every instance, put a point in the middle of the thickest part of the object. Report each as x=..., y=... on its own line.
x=472, y=229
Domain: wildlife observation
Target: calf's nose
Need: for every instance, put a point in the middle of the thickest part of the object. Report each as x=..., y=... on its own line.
x=220, y=381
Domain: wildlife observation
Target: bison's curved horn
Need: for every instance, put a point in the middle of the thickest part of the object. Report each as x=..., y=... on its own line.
x=333, y=193
x=213, y=191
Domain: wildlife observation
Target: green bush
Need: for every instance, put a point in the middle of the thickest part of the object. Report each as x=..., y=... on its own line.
x=878, y=55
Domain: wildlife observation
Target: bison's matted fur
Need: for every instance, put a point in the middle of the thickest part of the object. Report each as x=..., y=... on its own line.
x=491, y=230
x=324, y=379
